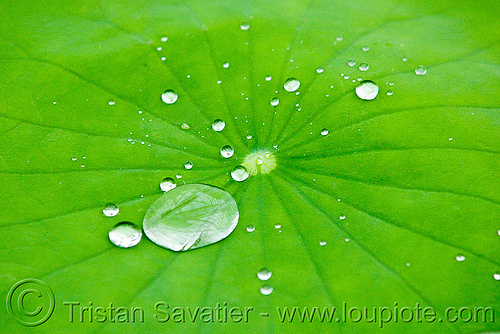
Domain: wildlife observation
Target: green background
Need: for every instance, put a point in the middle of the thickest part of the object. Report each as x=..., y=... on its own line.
x=410, y=194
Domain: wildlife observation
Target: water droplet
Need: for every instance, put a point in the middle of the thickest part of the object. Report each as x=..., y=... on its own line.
x=351, y=62
x=226, y=151
x=185, y=126
x=218, y=125
x=339, y=38
x=159, y=48
x=245, y=26
x=188, y=165
x=125, y=235
x=164, y=39
x=420, y=70
x=73, y=158
x=250, y=228
x=363, y=67
x=347, y=239
x=342, y=217
x=460, y=257
x=178, y=176
x=319, y=70
x=110, y=210
x=268, y=78
x=322, y=243
x=169, y=96
x=496, y=276
x=405, y=59
x=111, y=102
x=225, y=65
x=167, y=184
x=498, y=231
x=291, y=85
x=367, y=90
x=249, y=137
x=274, y=101
x=264, y=274
x=266, y=290
x=389, y=92
x=191, y=216
x=324, y=132
x=239, y=174
x=365, y=48
x=277, y=226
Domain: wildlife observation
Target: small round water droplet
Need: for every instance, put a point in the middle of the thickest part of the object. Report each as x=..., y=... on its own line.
x=389, y=92
x=367, y=90
x=277, y=226
x=250, y=228
x=268, y=78
x=319, y=70
x=266, y=290
x=125, y=235
x=185, y=126
x=342, y=217
x=110, y=210
x=460, y=257
x=73, y=158
x=405, y=59
x=249, y=137
x=218, y=125
x=188, y=165
x=167, y=184
x=291, y=85
x=274, y=101
x=245, y=26
x=498, y=231
x=239, y=174
x=363, y=67
x=164, y=39
x=324, y=132
x=351, y=62
x=178, y=176
x=322, y=243
x=347, y=239
x=225, y=65
x=226, y=151
x=365, y=48
x=496, y=276
x=111, y=102
x=264, y=274
x=420, y=70
x=169, y=96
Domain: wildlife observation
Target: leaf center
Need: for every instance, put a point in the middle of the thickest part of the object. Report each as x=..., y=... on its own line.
x=259, y=162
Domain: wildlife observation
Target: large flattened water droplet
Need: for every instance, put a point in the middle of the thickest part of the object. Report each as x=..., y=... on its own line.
x=291, y=85
x=227, y=151
x=169, y=96
x=420, y=70
x=367, y=90
x=110, y=210
x=167, y=184
x=218, y=125
x=190, y=217
x=239, y=173
x=125, y=234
